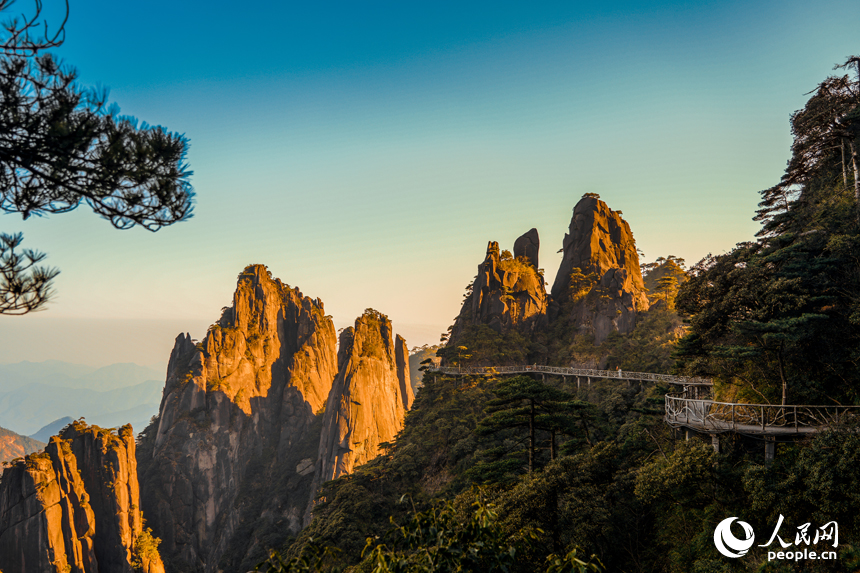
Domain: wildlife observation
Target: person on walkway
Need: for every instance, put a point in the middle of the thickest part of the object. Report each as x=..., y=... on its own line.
x=618, y=369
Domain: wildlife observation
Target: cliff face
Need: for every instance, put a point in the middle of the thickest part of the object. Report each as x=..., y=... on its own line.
x=75, y=507
x=369, y=398
x=507, y=293
x=600, y=246
x=234, y=450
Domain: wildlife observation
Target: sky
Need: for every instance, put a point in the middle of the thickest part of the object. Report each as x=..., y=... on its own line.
x=366, y=152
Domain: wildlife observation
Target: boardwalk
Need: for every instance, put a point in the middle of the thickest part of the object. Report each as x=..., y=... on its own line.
x=690, y=412
x=563, y=371
x=712, y=417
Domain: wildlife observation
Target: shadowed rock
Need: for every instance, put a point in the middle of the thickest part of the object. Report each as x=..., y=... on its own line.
x=528, y=245
x=76, y=507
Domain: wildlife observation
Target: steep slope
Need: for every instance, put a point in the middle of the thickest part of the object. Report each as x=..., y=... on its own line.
x=14, y=445
x=369, y=398
x=507, y=294
x=233, y=450
x=599, y=285
x=76, y=507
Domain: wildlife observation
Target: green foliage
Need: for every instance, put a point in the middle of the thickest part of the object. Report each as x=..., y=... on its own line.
x=145, y=549
x=64, y=145
x=520, y=264
x=775, y=315
x=650, y=346
x=522, y=402
x=778, y=318
x=311, y=559
x=570, y=563
x=442, y=540
x=486, y=346
x=581, y=284
x=420, y=358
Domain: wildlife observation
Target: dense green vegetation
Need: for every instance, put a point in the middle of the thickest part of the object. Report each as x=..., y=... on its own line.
x=777, y=319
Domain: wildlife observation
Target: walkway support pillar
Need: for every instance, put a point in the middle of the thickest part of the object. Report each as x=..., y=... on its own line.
x=769, y=450
x=715, y=441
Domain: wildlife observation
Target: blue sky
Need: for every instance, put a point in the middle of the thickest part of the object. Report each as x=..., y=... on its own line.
x=366, y=152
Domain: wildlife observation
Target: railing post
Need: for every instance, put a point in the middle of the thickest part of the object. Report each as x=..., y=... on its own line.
x=762, y=418
x=733, y=417
x=795, y=421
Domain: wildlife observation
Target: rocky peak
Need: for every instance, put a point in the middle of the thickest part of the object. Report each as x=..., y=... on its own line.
x=507, y=294
x=401, y=355
x=600, y=250
x=76, y=507
x=367, y=403
x=245, y=397
x=597, y=240
x=527, y=245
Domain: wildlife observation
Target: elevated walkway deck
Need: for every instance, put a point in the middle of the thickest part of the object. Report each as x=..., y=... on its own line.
x=563, y=371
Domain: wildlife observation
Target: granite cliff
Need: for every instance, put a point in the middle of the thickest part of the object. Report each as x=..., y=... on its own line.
x=231, y=465
x=507, y=294
x=508, y=316
x=369, y=398
x=599, y=285
x=235, y=433
x=75, y=507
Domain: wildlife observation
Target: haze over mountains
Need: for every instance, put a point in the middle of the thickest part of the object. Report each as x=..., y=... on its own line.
x=36, y=394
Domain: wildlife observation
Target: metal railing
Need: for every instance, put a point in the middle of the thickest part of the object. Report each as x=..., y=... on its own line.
x=562, y=371
x=717, y=417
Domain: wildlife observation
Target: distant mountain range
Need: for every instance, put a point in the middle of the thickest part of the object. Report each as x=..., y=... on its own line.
x=35, y=397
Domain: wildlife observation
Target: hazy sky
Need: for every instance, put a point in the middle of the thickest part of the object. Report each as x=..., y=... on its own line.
x=366, y=152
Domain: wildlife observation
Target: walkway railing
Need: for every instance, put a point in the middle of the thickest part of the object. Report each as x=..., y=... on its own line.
x=562, y=371
x=771, y=419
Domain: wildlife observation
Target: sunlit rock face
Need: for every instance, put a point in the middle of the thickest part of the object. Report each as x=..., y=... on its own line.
x=369, y=398
x=75, y=507
x=231, y=466
x=238, y=428
x=600, y=245
x=508, y=292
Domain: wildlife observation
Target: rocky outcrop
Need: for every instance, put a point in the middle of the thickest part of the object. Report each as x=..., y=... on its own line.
x=600, y=253
x=369, y=398
x=231, y=465
x=238, y=430
x=507, y=293
x=75, y=507
x=401, y=356
x=527, y=245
